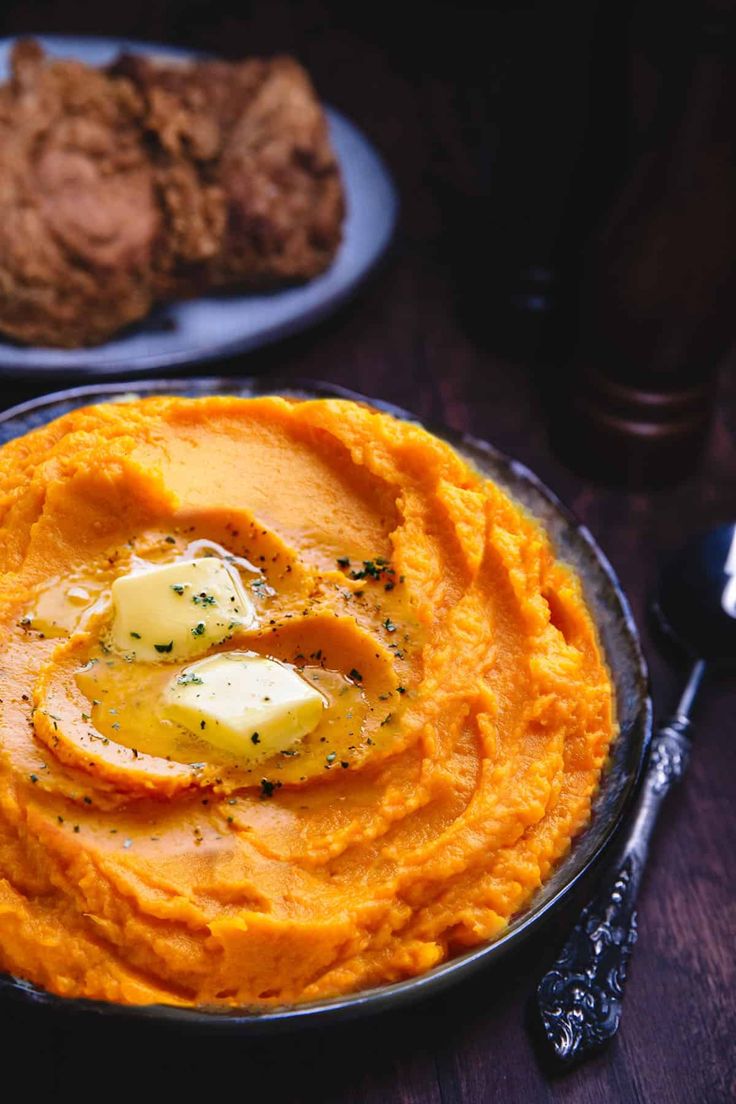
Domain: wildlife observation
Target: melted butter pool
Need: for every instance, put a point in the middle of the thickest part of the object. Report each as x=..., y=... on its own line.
x=125, y=707
x=63, y=603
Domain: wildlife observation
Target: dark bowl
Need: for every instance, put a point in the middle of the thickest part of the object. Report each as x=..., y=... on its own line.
x=573, y=544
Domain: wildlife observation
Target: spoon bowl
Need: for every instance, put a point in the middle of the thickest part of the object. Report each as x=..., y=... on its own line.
x=696, y=602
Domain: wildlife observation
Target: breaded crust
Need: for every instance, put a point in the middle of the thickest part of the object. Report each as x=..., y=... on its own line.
x=155, y=180
x=79, y=215
x=270, y=205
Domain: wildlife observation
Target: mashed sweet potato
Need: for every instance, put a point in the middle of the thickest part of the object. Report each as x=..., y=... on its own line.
x=469, y=710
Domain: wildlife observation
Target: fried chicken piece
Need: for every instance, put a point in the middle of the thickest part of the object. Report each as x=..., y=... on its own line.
x=253, y=136
x=154, y=180
x=78, y=210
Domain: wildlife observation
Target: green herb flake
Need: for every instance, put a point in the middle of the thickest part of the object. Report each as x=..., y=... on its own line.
x=198, y=629
x=255, y=738
x=343, y=561
x=136, y=636
x=387, y=719
x=373, y=569
x=189, y=678
x=389, y=626
x=355, y=675
x=34, y=777
x=203, y=599
x=178, y=588
x=268, y=787
x=163, y=648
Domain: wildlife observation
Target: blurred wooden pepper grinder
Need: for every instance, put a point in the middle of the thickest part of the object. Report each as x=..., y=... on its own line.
x=658, y=297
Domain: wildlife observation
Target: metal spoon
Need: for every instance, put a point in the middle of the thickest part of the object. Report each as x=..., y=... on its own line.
x=580, y=997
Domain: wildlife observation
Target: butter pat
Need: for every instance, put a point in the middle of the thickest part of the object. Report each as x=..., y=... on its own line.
x=243, y=703
x=178, y=610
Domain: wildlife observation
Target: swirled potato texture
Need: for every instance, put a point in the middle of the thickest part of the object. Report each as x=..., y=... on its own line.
x=449, y=708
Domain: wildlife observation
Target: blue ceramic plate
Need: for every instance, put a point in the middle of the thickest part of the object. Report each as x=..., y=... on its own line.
x=196, y=330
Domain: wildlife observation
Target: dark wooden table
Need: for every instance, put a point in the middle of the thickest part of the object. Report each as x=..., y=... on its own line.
x=407, y=339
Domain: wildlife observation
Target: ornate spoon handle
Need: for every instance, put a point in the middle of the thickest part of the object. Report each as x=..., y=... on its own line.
x=580, y=997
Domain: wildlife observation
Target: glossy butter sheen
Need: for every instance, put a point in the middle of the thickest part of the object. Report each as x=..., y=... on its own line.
x=469, y=708
x=178, y=609
x=244, y=703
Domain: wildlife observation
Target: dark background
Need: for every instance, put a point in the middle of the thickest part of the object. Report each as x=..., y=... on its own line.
x=511, y=129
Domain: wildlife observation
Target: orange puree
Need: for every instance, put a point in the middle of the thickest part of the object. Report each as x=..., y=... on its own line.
x=468, y=710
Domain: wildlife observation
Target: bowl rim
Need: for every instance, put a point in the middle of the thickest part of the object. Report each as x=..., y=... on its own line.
x=397, y=994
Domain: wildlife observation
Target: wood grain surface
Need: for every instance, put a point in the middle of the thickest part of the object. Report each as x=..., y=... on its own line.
x=420, y=335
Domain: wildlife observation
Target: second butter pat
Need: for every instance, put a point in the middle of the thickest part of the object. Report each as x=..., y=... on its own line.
x=178, y=610
x=244, y=703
